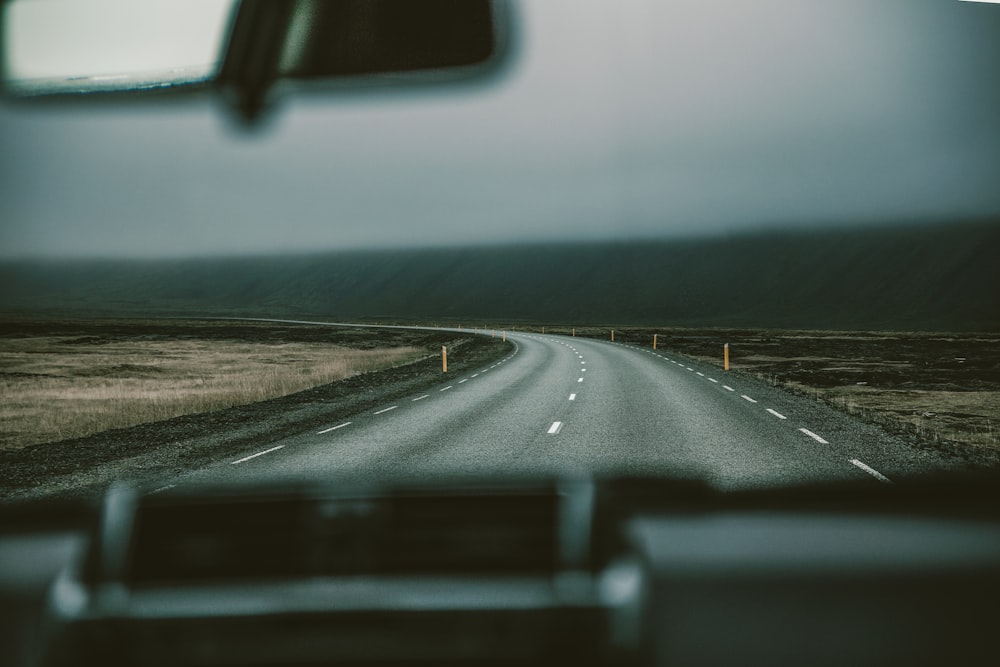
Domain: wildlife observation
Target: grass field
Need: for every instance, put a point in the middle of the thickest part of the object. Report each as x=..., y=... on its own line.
x=57, y=386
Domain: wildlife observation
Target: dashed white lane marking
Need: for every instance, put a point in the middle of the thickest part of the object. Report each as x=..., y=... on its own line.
x=689, y=368
x=253, y=456
x=814, y=436
x=333, y=428
x=713, y=380
x=727, y=387
x=579, y=380
x=777, y=414
x=700, y=373
x=447, y=388
x=420, y=398
x=747, y=398
x=555, y=428
x=475, y=375
x=163, y=488
x=572, y=397
x=583, y=370
x=465, y=380
x=386, y=409
x=871, y=471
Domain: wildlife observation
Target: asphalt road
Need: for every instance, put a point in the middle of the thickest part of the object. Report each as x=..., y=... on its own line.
x=573, y=405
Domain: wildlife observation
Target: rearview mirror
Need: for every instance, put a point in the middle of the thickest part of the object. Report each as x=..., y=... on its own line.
x=102, y=48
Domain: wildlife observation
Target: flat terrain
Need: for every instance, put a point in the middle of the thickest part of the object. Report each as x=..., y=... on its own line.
x=943, y=388
x=58, y=384
x=124, y=396
x=535, y=402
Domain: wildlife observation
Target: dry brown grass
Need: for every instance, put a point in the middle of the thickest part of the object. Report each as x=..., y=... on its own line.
x=972, y=417
x=53, y=388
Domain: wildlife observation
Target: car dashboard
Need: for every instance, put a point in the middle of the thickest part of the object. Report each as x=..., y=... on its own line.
x=628, y=570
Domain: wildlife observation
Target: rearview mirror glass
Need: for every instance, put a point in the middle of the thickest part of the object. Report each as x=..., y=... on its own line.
x=85, y=46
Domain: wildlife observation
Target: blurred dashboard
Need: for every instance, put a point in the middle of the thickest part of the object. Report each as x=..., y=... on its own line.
x=608, y=571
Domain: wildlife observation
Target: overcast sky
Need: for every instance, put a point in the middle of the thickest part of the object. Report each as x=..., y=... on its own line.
x=617, y=120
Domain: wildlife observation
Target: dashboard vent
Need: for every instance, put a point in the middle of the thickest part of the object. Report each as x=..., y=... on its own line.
x=494, y=533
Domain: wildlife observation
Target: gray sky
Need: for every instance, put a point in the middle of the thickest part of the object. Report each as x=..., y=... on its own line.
x=618, y=120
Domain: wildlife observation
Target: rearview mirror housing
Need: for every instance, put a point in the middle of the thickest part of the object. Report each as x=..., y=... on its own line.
x=262, y=50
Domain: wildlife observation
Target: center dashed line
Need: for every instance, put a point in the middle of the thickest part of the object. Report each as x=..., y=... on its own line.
x=777, y=414
x=333, y=428
x=572, y=397
x=555, y=428
x=747, y=398
x=713, y=380
x=253, y=456
x=386, y=409
x=727, y=387
x=448, y=387
x=465, y=380
x=420, y=398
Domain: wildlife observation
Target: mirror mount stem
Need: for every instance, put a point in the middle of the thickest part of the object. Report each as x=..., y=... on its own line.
x=250, y=64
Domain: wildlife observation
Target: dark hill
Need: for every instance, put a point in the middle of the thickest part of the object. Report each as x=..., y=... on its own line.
x=930, y=277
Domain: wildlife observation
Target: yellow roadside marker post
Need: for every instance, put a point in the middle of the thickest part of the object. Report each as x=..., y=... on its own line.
x=612, y=335
x=725, y=357
x=504, y=339
x=654, y=341
x=444, y=359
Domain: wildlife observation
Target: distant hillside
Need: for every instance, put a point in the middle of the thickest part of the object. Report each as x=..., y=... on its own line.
x=931, y=277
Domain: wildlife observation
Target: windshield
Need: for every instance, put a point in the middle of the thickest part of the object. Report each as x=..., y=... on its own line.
x=749, y=243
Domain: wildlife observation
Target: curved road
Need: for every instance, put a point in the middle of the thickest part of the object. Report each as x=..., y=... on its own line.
x=564, y=404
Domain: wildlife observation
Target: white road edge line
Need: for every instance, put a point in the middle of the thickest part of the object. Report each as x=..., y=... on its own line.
x=814, y=436
x=747, y=398
x=777, y=414
x=386, y=409
x=253, y=456
x=163, y=488
x=871, y=471
x=555, y=428
x=333, y=428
